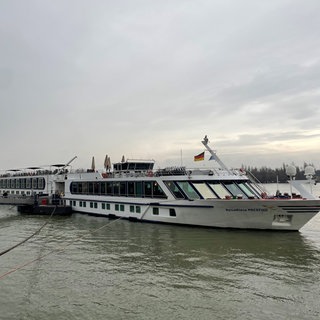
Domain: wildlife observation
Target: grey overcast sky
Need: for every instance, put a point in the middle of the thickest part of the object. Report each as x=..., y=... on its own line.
x=148, y=79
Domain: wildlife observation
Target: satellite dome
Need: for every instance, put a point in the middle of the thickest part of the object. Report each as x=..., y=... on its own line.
x=291, y=171
x=309, y=171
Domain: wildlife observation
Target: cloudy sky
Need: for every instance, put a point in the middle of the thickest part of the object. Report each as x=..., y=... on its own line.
x=148, y=79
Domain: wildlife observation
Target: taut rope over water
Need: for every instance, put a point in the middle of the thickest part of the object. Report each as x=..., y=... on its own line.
x=52, y=251
x=28, y=238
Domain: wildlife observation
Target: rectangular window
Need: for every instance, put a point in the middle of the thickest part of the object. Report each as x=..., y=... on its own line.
x=103, y=205
x=74, y=203
x=116, y=188
x=116, y=207
x=147, y=189
x=34, y=183
x=80, y=187
x=138, y=209
x=96, y=188
x=91, y=204
x=123, y=189
x=155, y=211
x=28, y=183
x=157, y=192
x=74, y=187
x=103, y=188
x=131, y=208
x=95, y=205
x=80, y=203
x=108, y=206
x=110, y=188
x=172, y=212
x=131, y=189
x=90, y=187
x=121, y=207
x=84, y=204
x=84, y=187
x=139, y=190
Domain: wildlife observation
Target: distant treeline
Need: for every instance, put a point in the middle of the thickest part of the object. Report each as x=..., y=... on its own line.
x=268, y=175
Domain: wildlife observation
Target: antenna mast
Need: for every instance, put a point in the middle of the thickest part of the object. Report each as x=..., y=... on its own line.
x=214, y=156
x=66, y=165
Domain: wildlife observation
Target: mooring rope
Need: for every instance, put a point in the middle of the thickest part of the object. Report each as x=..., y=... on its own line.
x=28, y=238
x=53, y=251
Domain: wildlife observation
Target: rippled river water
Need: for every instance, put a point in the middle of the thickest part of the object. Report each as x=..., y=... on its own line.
x=83, y=267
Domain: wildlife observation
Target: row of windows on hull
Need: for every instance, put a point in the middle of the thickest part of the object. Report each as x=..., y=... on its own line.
x=23, y=183
x=179, y=189
x=116, y=207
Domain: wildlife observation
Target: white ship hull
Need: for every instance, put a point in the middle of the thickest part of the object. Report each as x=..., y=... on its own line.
x=242, y=214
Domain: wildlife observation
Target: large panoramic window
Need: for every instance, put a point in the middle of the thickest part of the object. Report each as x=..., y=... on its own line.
x=246, y=189
x=204, y=190
x=174, y=189
x=234, y=189
x=254, y=188
x=187, y=189
x=220, y=190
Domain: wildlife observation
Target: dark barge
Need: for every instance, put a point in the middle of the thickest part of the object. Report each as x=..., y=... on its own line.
x=45, y=205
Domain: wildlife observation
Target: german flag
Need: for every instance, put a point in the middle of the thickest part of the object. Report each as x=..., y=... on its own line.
x=199, y=157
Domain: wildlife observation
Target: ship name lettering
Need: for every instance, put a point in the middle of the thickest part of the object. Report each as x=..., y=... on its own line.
x=247, y=209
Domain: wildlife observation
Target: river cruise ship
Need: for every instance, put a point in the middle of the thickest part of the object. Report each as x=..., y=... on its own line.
x=218, y=197
x=23, y=186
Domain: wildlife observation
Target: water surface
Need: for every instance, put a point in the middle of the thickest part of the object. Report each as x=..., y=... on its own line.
x=95, y=268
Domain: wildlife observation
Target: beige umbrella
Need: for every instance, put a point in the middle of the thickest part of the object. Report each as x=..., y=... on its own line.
x=93, y=165
x=109, y=163
x=106, y=164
